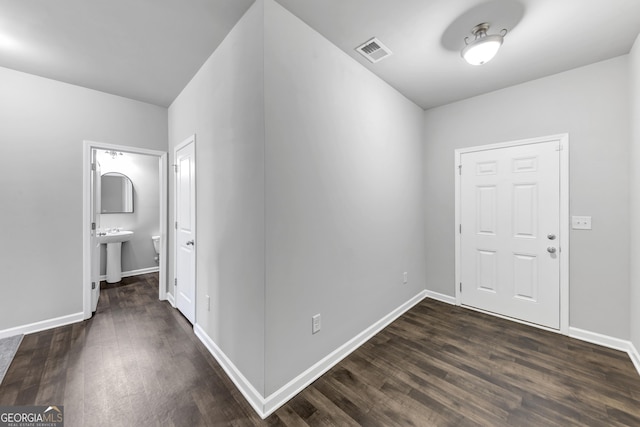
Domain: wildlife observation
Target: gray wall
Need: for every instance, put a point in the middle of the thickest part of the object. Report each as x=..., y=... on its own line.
x=43, y=125
x=144, y=172
x=339, y=154
x=344, y=196
x=634, y=161
x=223, y=106
x=302, y=151
x=591, y=104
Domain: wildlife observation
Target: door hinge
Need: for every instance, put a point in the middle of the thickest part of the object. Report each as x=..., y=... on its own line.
x=176, y=225
x=460, y=287
x=459, y=169
x=93, y=285
x=175, y=168
x=175, y=282
x=93, y=226
x=460, y=229
x=93, y=166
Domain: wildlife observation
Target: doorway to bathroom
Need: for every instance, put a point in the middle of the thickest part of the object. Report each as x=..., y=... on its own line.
x=124, y=217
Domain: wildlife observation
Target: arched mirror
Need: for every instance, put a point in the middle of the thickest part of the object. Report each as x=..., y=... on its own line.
x=117, y=193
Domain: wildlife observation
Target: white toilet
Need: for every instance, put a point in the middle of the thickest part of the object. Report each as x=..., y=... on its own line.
x=156, y=246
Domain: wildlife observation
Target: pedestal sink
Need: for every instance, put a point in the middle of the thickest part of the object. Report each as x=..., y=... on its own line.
x=114, y=240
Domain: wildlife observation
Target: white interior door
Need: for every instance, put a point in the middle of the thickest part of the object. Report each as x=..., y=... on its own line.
x=510, y=232
x=96, y=196
x=186, y=229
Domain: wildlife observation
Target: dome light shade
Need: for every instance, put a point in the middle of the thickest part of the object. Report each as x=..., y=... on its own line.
x=483, y=48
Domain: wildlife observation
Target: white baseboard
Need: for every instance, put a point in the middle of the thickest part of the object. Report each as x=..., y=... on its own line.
x=249, y=392
x=140, y=271
x=266, y=406
x=42, y=325
x=295, y=386
x=609, y=342
x=600, y=339
x=635, y=357
x=171, y=300
x=132, y=273
x=441, y=297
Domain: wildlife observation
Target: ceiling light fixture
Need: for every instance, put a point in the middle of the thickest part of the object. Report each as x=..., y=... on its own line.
x=483, y=48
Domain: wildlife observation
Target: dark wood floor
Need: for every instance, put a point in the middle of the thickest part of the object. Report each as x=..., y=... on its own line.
x=138, y=363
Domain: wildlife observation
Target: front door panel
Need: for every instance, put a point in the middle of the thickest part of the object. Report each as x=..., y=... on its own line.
x=510, y=210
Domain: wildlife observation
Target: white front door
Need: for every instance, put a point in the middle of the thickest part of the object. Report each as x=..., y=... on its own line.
x=96, y=195
x=186, y=229
x=510, y=232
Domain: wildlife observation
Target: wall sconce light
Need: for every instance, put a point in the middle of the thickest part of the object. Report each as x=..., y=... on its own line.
x=484, y=47
x=113, y=153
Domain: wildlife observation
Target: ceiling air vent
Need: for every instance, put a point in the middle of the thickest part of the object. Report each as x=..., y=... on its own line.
x=374, y=50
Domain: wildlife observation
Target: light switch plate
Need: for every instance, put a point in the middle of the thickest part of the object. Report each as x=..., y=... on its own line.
x=581, y=222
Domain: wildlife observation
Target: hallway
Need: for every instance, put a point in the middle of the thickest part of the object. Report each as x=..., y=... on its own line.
x=135, y=363
x=138, y=363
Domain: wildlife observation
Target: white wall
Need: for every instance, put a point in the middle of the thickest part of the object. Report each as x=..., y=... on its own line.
x=591, y=104
x=634, y=163
x=344, y=196
x=43, y=125
x=223, y=106
x=144, y=172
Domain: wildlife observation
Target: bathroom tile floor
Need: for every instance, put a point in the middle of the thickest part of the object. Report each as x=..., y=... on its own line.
x=137, y=362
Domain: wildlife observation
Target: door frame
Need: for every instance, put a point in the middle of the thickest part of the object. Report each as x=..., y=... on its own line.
x=87, y=147
x=173, y=296
x=563, y=140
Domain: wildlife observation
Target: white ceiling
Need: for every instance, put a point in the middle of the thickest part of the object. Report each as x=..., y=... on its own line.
x=141, y=49
x=545, y=37
x=149, y=49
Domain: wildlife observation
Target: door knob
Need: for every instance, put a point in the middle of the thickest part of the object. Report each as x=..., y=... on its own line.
x=190, y=243
x=551, y=236
x=551, y=250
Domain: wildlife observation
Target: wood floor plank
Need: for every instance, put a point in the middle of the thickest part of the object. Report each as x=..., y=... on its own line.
x=287, y=417
x=138, y=363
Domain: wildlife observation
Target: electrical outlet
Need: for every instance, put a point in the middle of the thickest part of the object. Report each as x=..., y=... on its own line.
x=315, y=324
x=581, y=222
x=208, y=303
x=405, y=278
